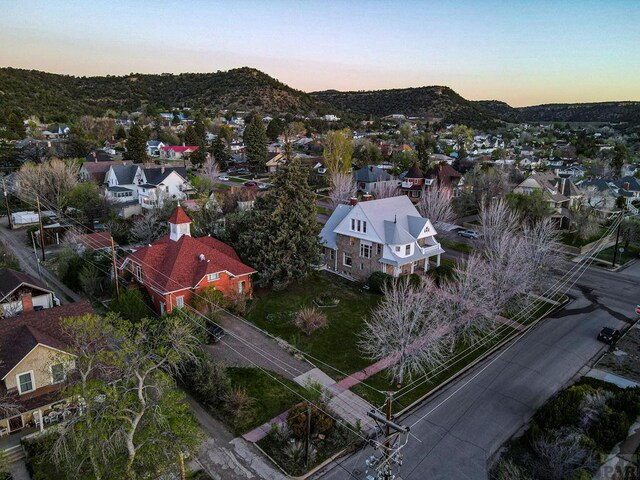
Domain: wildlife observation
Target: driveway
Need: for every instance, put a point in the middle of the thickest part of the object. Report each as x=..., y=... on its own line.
x=248, y=341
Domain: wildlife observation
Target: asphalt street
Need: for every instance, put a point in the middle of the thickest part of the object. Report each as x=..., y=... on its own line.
x=461, y=428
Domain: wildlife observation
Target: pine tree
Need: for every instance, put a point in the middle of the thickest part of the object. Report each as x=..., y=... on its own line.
x=136, y=145
x=255, y=141
x=423, y=154
x=279, y=237
x=121, y=134
x=275, y=129
x=190, y=136
x=219, y=151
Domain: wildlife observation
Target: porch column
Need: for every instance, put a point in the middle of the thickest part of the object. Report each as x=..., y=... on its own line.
x=426, y=264
x=41, y=420
x=438, y=260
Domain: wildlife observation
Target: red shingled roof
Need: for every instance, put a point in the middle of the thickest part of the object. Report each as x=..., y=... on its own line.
x=96, y=241
x=179, y=216
x=169, y=265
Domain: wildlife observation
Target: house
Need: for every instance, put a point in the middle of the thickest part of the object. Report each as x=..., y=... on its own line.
x=34, y=362
x=274, y=160
x=20, y=292
x=176, y=152
x=414, y=183
x=96, y=171
x=98, y=241
x=154, y=147
x=177, y=266
x=444, y=175
x=599, y=194
x=147, y=187
x=56, y=131
x=98, y=156
x=386, y=235
x=560, y=193
x=371, y=177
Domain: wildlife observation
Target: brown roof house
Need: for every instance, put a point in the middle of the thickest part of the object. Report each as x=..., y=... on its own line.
x=34, y=361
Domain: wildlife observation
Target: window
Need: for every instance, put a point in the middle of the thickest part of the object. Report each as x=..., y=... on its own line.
x=57, y=373
x=347, y=261
x=358, y=225
x=407, y=249
x=331, y=254
x=398, y=249
x=180, y=301
x=378, y=249
x=362, y=266
x=241, y=287
x=139, y=273
x=415, y=194
x=25, y=382
x=364, y=227
x=212, y=277
x=353, y=224
x=365, y=250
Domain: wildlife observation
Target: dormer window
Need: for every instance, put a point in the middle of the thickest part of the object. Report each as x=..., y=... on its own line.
x=358, y=225
x=407, y=249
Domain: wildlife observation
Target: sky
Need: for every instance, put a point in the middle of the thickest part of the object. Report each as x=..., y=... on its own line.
x=521, y=52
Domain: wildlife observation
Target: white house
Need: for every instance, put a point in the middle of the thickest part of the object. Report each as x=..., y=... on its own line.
x=20, y=292
x=386, y=235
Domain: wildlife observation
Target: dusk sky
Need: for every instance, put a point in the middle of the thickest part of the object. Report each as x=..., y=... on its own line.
x=521, y=52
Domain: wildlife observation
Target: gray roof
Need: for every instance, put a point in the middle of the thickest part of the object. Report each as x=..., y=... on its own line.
x=328, y=233
x=155, y=176
x=119, y=189
x=370, y=174
x=634, y=185
x=394, y=234
x=125, y=173
x=11, y=279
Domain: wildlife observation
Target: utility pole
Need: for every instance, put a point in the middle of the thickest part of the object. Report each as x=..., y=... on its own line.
x=384, y=465
x=115, y=268
x=6, y=201
x=183, y=474
x=615, y=250
x=35, y=254
x=306, y=439
x=41, y=228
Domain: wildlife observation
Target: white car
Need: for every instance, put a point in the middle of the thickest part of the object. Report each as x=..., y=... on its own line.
x=224, y=178
x=469, y=234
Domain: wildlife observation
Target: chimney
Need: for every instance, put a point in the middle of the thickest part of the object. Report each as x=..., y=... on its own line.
x=625, y=186
x=27, y=302
x=353, y=201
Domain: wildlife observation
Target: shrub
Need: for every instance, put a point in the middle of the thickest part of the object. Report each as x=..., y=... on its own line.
x=415, y=280
x=309, y=319
x=377, y=281
x=627, y=401
x=236, y=401
x=131, y=305
x=611, y=428
x=297, y=421
x=209, y=382
x=209, y=302
x=237, y=303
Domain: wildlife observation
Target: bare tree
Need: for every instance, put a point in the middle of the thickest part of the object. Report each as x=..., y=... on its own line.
x=584, y=221
x=147, y=228
x=51, y=181
x=210, y=170
x=405, y=328
x=560, y=454
x=385, y=190
x=435, y=204
x=497, y=220
x=343, y=187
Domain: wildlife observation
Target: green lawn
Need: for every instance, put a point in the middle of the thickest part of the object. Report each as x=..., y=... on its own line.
x=411, y=394
x=270, y=398
x=323, y=210
x=630, y=253
x=237, y=180
x=569, y=238
x=335, y=343
x=221, y=186
x=448, y=243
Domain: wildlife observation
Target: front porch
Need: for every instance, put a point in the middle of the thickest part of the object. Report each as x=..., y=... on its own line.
x=419, y=267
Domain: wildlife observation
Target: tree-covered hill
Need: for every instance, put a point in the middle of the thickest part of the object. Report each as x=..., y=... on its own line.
x=54, y=96
x=434, y=103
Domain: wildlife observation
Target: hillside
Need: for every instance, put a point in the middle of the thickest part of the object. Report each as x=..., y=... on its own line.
x=434, y=103
x=611, y=112
x=61, y=96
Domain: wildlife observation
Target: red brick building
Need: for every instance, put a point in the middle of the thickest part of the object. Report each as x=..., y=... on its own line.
x=177, y=266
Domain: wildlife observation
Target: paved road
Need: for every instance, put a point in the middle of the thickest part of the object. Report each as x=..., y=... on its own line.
x=459, y=437
x=16, y=242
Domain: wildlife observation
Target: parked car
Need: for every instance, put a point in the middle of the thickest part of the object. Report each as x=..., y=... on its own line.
x=609, y=335
x=216, y=332
x=469, y=234
x=263, y=186
x=224, y=178
x=250, y=183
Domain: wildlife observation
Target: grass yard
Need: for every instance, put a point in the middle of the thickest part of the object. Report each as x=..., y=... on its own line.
x=221, y=186
x=323, y=210
x=569, y=238
x=451, y=244
x=270, y=398
x=630, y=253
x=335, y=344
x=532, y=313
x=237, y=180
x=462, y=357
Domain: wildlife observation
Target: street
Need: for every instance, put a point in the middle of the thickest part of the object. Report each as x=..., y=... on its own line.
x=459, y=435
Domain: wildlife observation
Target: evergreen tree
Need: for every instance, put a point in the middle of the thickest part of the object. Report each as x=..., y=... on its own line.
x=423, y=154
x=220, y=152
x=255, y=141
x=136, y=145
x=200, y=131
x=190, y=136
x=121, y=134
x=279, y=237
x=275, y=129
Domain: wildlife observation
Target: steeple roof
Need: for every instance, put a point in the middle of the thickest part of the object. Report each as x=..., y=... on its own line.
x=179, y=216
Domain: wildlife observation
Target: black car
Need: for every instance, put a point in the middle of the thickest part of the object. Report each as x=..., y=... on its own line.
x=216, y=332
x=609, y=335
